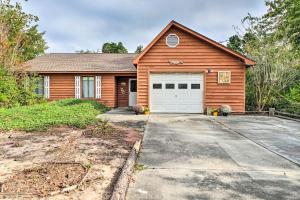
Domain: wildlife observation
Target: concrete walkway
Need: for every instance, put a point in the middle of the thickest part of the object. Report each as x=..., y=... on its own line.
x=190, y=157
x=125, y=117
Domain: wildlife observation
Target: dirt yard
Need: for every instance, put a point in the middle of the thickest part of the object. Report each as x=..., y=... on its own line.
x=83, y=163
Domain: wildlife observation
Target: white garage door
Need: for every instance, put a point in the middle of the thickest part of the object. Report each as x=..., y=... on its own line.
x=176, y=92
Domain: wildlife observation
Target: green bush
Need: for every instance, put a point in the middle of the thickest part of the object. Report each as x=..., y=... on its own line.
x=8, y=89
x=70, y=112
x=17, y=89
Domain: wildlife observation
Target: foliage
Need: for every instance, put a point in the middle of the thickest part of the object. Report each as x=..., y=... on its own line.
x=271, y=40
x=139, y=49
x=20, y=41
x=139, y=167
x=71, y=112
x=273, y=74
x=17, y=90
x=292, y=100
x=8, y=88
x=235, y=43
x=112, y=47
x=283, y=21
x=294, y=93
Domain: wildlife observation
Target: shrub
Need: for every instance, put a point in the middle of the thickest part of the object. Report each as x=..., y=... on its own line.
x=8, y=89
x=16, y=90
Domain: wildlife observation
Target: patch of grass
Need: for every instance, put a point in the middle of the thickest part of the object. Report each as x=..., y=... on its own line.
x=71, y=112
x=139, y=167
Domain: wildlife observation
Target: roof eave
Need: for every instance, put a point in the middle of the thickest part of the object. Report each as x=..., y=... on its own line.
x=81, y=72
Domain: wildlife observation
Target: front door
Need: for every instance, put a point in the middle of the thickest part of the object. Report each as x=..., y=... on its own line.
x=132, y=92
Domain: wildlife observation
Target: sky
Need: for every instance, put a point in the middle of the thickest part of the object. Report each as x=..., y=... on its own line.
x=73, y=25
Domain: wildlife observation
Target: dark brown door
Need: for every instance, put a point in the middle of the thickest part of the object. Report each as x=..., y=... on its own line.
x=122, y=88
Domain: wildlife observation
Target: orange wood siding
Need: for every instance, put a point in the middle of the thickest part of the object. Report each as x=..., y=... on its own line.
x=62, y=86
x=197, y=56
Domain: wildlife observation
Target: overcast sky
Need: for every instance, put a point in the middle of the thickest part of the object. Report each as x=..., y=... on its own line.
x=72, y=25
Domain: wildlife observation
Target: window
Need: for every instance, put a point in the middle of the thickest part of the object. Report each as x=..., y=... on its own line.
x=172, y=40
x=157, y=86
x=195, y=86
x=170, y=85
x=39, y=90
x=182, y=86
x=224, y=77
x=132, y=85
x=88, y=87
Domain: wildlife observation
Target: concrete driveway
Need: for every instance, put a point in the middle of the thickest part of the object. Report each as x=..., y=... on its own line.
x=191, y=157
x=278, y=135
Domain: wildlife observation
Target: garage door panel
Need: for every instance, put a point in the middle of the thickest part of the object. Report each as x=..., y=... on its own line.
x=173, y=92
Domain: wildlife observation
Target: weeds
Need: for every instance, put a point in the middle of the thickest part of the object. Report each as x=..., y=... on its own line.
x=38, y=117
x=103, y=127
x=139, y=167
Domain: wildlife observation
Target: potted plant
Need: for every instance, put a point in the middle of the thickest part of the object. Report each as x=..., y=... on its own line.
x=138, y=109
x=147, y=111
x=225, y=110
x=215, y=112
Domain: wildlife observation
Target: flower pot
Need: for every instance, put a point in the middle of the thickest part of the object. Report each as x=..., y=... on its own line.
x=215, y=114
x=147, y=112
x=225, y=114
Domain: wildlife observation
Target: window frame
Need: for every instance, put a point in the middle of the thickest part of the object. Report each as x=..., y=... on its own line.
x=222, y=82
x=187, y=86
x=41, y=79
x=161, y=86
x=130, y=85
x=81, y=82
x=170, y=84
x=195, y=88
x=172, y=46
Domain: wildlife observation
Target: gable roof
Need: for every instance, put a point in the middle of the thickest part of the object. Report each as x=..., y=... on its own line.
x=81, y=62
x=246, y=60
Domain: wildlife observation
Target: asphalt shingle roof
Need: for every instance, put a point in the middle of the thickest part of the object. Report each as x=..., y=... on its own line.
x=80, y=62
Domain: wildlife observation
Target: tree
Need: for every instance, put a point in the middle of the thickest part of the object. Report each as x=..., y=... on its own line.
x=20, y=41
x=20, y=38
x=283, y=19
x=112, y=47
x=139, y=49
x=235, y=43
x=277, y=68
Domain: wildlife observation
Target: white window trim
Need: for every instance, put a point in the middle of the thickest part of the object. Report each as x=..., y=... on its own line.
x=172, y=34
x=224, y=72
x=98, y=87
x=77, y=87
x=47, y=87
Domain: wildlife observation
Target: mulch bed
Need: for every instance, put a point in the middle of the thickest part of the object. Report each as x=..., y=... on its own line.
x=44, y=180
